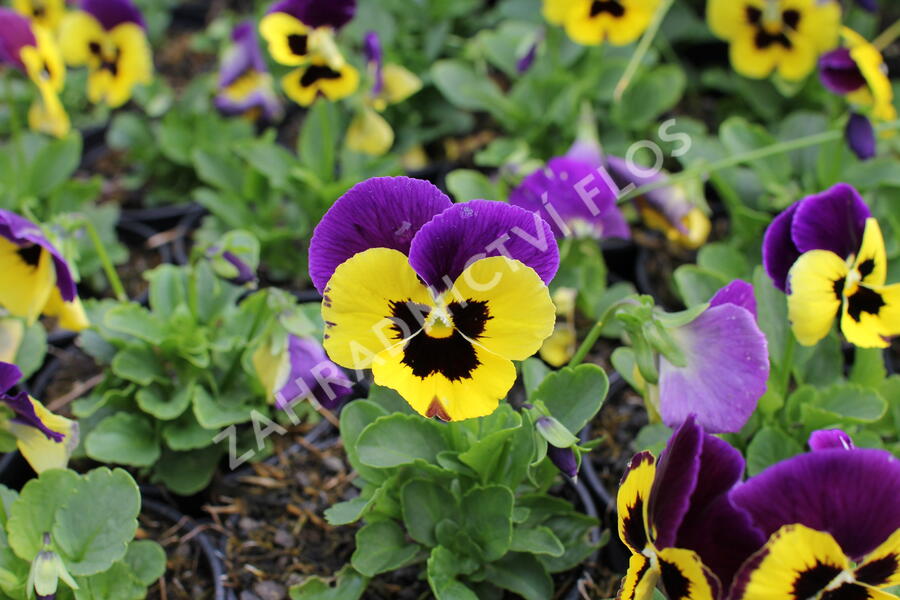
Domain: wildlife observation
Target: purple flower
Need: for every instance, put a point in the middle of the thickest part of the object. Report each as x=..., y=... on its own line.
x=375, y=60
x=860, y=136
x=317, y=13
x=839, y=73
x=312, y=375
x=726, y=364
x=436, y=298
x=830, y=438
x=245, y=85
x=833, y=220
x=575, y=196
x=15, y=34
x=691, y=527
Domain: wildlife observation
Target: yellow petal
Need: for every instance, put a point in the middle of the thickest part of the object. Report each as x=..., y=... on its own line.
x=272, y=366
x=750, y=61
x=816, y=283
x=42, y=453
x=521, y=314
x=47, y=114
x=683, y=576
x=360, y=302
x=872, y=569
x=820, y=23
x=633, y=500
x=399, y=83
x=305, y=84
x=28, y=276
x=135, y=63
x=77, y=31
x=287, y=37
x=559, y=348
x=871, y=261
x=44, y=62
x=46, y=13
x=369, y=133
x=70, y=315
x=791, y=552
x=640, y=579
x=728, y=18
x=11, y=333
x=871, y=314
x=555, y=11
x=586, y=28
x=799, y=61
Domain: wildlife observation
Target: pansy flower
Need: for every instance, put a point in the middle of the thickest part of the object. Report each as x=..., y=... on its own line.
x=575, y=195
x=46, y=13
x=828, y=253
x=305, y=84
x=108, y=36
x=833, y=522
x=36, y=276
x=858, y=71
x=245, y=84
x=436, y=298
x=44, y=439
x=33, y=51
x=297, y=368
x=297, y=30
x=769, y=35
x=676, y=518
x=726, y=364
x=592, y=22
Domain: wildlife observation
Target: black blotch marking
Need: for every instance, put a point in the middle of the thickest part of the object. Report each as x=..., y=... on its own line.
x=764, y=39
x=299, y=44
x=866, y=267
x=633, y=524
x=791, y=18
x=612, y=7
x=30, y=255
x=812, y=581
x=848, y=591
x=877, y=572
x=754, y=15
x=677, y=586
x=94, y=48
x=864, y=300
x=839, y=289
x=470, y=318
x=316, y=72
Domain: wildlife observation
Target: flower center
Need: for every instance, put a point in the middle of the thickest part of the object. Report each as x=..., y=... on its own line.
x=772, y=26
x=612, y=7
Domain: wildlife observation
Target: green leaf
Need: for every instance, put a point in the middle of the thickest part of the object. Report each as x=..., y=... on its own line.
x=355, y=417
x=771, y=308
x=740, y=136
x=34, y=512
x=400, y=440
x=168, y=289
x=270, y=159
x=219, y=169
x=724, y=260
x=443, y=567
x=53, y=164
x=139, y=364
x=187, y=473
x=868, y=367
x=488, y=514
x=697, y=285
x=133, y=319
x=164, y=403
x=465, y=89
x=467, y=184
x=147, y=560
x=425, y=504
x=318, y=141
x=574, y=395
x=534, y=371
x=853, y=403
x=32, y=350
x=93, y=527
x=539, y=540
x=215, y=413
x=380, y=547
x=123, y=439
x=349, y=585
x=350, y=511
x=185, y=433
x=118, y=582
x=522, y=574
x=769, y=446
x=652, y=93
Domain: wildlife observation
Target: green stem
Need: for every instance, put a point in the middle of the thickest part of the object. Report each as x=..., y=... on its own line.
x=887, y=36
x=738, y=159
x=594, y=334
x=108, y=266
x=642, y=49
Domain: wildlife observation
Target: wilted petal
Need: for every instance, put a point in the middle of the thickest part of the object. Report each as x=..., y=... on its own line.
x=833, y=220
x=726, y=372
x=851, y=495
x=860, y=136
x=670, y=201
x=464, y=233
x=383, y=212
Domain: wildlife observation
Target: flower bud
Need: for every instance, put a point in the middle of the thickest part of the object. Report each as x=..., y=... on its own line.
x=47, y=569
x=564, y=459
x=555, y=432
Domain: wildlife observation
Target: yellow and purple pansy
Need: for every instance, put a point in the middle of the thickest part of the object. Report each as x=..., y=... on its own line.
x=245, y=84
x=827, y=253
x=592, y=22
x=832, y=521
x=43, y=281
x=726, y=364
x=108, y=36
x=32, y=50
x=45, y=440
x=676, y=518
x=294, y=368
x=765, y=36
x=46, y=13
x=436, y=298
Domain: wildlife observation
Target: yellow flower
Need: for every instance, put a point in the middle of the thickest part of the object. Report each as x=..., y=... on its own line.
x=559, y=348
x=399, y=83
x=316, y=79
x=592, y=22
x=369, y=133
x=786, y=36
x=46, y=13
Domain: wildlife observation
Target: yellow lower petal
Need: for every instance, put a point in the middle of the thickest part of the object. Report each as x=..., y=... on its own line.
x=632, y=502
x=359, y=303
x=798, y=61
x=871, y=315
x=640, y=579
x=475, y=395
x=399, y=83
x=728, y=18
x=521, y=313
x=815, y=300
x=26, y=284
x=304, y=90
x=870, y=570
x=42, y=453
x=750, y=61
x=272, y=366
x=369, y=133
x=70, y=315
x=47, y=115
x=683, y=576
x=77, y=30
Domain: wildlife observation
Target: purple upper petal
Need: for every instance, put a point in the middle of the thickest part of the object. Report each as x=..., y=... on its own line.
x=851, y=495
x=318, y=13
x=675, y=481
x=839, y=72
x=9, y=376
x=779, y=253
x=670, y=201
x=312, y=373
x=22, y=232
x=568, y=192
x=15, y=33
x=833, y=220
x=825, y=439
x=245, y=55
x=466, y=232
x=25, y=415
x=726, y=372
x=860, y=136
x=739, y=293
x=375, y=58
x=379, y=212
x=110, y=13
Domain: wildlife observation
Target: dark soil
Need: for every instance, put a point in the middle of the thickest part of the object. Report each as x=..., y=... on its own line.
x=187, y=574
